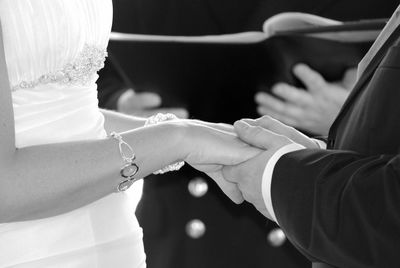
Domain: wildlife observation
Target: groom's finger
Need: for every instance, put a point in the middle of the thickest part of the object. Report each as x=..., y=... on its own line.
x=233, y=173
x=230, y=189
x=256, y=135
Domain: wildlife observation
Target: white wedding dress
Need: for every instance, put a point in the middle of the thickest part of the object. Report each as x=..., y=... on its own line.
x=53, y=50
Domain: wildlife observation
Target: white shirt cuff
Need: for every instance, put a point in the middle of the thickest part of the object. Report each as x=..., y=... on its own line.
x=267, y=175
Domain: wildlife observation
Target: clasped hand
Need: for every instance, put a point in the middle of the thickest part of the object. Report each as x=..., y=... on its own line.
x=235, y=156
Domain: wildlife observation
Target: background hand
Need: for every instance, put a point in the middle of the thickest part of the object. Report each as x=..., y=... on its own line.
x=248, y=175
x=145, y=104
x=313, y=109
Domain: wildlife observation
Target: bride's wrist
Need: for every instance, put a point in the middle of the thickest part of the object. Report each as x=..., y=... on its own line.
x=193, y=139
x=178, y=128
x=184, y=136
x=187, y=132
x=175, y=138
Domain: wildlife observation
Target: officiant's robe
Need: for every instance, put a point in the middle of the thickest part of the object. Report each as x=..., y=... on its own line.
x=341, y=206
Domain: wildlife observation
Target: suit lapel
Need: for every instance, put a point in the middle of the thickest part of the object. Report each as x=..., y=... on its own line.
x=371, y=61
x=380, y=41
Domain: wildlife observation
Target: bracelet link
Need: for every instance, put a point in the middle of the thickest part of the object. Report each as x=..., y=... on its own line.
x=130, y=168
x=125, y=185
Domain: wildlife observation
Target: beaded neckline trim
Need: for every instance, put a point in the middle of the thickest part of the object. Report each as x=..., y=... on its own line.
x=78, y=73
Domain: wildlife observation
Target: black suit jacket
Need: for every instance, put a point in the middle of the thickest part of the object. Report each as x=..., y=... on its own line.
x=341, y=206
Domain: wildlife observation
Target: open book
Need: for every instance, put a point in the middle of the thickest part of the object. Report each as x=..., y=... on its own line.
x=205, y=73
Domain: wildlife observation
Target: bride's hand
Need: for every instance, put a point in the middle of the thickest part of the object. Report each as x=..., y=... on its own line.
x=280, y=128
x=220, y=126
x=208, y=149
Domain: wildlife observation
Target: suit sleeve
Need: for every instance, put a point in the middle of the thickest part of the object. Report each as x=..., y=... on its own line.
x=340, y=207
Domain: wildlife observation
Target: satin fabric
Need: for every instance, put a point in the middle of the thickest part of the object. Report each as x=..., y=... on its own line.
x=40, y=37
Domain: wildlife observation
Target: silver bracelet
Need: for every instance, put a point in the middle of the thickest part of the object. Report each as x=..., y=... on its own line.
x=155, y=119
x=130, y=168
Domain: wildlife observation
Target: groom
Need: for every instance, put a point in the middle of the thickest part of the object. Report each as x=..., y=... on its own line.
x=341, y=206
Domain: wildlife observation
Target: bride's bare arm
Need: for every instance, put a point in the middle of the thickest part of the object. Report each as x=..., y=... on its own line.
x=47, y=180
x=119, y=122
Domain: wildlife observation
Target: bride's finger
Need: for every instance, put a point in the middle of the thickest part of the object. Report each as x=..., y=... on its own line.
x=269, y=123
x=273, y=125
x=219, y=126
x=280, y=128
x=259, y=136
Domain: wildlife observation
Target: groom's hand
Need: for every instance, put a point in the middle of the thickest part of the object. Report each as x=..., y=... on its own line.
x=210, y=147
x=248, y=175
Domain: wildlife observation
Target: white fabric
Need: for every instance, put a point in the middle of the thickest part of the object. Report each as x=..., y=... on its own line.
x=42, y=36
x=321, y=144
x=268, y=172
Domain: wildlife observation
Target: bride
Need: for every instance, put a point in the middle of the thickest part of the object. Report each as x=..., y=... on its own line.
x=63, y=175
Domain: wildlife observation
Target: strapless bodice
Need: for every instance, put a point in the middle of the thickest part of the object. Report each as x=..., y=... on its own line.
x=44, y=36
x=53, y=50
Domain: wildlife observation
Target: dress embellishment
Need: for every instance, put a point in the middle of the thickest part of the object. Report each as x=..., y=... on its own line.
x=78, y=73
